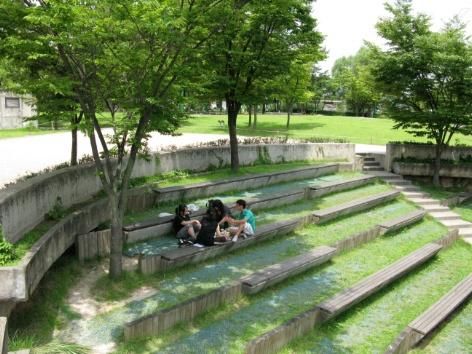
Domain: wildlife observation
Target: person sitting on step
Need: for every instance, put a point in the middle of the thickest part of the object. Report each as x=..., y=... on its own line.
x=245, y=223
x=186, y=229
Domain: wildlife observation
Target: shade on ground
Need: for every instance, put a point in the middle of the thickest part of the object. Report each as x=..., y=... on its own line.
x=192, y=281
x=229, y=331
x=298, y=209
x=371, y=327
x=254, y=193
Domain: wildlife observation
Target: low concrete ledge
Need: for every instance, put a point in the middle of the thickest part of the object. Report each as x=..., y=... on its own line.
x=3, y=335
x=424, y=324
x=403, y=342
x=326, y=188
x=370, y=285
x=274, y=340
x=427, y=169
x=201, y=190
x=356, y=240
x=357, y=205
x=278, y=272
x=156, y=323
x=190, y=255
x=402, y=221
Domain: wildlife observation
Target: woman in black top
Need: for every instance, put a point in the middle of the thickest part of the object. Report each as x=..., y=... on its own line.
x=185, y=229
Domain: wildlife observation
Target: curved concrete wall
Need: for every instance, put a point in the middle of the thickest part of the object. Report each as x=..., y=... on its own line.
x=23, y=205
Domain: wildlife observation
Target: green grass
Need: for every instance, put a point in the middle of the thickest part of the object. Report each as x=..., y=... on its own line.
x=33, y=323
x=231, y=327
x=371, y=327
x=179, y=178
x=437, y=192
x=465, y=211
x=21, y=132
x=354, y=129
x=451, y=337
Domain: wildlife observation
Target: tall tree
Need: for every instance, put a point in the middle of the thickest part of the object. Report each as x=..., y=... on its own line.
x=122, y=55
x=355, y=83
x=427, y=76
x=254, y=41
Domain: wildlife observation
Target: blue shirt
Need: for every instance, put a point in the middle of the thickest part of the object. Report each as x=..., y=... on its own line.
x=249, y=217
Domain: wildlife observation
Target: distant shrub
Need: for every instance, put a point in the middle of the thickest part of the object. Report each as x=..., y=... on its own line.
x=57, y=211
x=7, y=251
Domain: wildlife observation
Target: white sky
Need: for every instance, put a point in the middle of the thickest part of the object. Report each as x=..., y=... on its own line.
x=347, y=23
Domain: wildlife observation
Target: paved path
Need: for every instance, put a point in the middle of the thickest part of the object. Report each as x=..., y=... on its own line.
x=20, y=156
x=441, y=213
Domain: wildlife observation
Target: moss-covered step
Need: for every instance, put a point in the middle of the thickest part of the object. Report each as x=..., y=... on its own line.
x=424, y=324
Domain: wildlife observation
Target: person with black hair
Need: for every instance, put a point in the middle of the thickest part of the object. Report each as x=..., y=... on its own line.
x=245, y=222
x=185, y=229
x=210, y=231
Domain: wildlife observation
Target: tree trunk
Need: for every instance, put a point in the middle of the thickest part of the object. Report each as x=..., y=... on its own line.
x=437, y=165
x=73, y=150
x=233, y=110
x=263, y=108
x=254, y=124
x=116, y=247
x=250, y=116
x=289, y=113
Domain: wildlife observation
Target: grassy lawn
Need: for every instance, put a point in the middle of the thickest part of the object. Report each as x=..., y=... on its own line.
x=353, y=129
x=21, y=132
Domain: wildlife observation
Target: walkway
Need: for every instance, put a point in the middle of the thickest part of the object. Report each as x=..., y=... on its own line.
x=441, y=213
x=21, y=156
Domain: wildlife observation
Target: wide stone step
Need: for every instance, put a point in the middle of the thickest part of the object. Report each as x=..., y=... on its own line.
x=385, y=175
x=372, y=168
x=435, y=208
x=444, y=215
x=408, y=188
x=353, y=206
x=424, y=201
x=456, y=224
x=371, y=163
x=377, y=281
x=415, y=194
x=368, y=159
x=466, y=232
x=279, y=272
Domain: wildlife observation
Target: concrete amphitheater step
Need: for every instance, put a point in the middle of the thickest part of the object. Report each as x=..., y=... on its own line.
x=423, y=201
x=435, y=207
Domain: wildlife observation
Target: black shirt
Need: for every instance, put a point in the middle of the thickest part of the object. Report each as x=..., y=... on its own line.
x=177, y=224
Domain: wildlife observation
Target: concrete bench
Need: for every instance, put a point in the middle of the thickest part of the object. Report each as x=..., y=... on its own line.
x=351, y=296
x=338, y=186
x=278, y=272
x=353, y=206
x=432, y=317
x=190, y=255
x=401, y=222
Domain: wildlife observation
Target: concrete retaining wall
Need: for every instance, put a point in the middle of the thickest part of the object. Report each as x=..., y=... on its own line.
x=420, y=151
x=24, y=204
x=3, y=335
x=404, y=342
x=426, y=169
x=23, y=278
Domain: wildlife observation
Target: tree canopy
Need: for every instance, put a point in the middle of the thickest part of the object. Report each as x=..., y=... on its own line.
x=426, y=76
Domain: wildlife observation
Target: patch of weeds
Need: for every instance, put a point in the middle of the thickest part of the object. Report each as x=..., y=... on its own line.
x=7, y=251
x=58, y=211
x=55, y=347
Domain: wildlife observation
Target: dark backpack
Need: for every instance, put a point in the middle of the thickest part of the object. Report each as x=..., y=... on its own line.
x=206, y=236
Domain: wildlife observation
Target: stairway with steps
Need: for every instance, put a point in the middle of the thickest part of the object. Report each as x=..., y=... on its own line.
x=441, y=213
x=371, y=164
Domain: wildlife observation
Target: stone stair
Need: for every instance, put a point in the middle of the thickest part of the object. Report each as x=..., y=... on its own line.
x=440, y=212
x=371, y=164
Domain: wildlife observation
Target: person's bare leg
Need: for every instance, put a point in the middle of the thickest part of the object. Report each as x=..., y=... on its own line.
x=238, y=232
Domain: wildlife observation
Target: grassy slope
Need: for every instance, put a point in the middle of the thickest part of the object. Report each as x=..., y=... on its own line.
x=233, y=326
x=353, y=129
